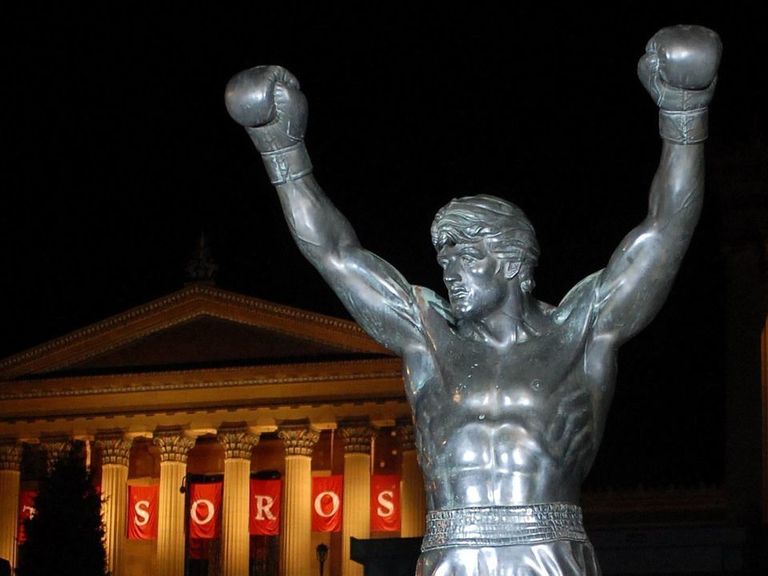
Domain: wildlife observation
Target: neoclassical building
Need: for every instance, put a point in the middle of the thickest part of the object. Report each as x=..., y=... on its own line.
x=206, y=384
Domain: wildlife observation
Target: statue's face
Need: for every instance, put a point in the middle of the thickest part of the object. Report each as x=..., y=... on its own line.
x=475, y=279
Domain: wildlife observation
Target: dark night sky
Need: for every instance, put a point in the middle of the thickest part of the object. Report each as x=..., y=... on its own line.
x=119, y=151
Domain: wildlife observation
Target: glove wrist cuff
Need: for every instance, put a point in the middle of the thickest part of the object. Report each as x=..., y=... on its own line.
x=287, y=164
x=683, y=127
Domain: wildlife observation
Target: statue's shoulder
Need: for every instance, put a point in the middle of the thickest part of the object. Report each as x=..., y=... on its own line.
x=580, y=302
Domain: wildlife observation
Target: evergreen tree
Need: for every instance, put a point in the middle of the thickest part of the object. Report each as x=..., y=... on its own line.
x=65, y=537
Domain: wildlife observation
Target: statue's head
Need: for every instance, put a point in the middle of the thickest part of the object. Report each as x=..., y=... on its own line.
x=491, y=225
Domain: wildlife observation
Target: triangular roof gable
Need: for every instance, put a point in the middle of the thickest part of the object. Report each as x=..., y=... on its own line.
x=196, y=303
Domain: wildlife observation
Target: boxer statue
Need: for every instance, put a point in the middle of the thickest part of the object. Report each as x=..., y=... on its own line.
x=509, y=395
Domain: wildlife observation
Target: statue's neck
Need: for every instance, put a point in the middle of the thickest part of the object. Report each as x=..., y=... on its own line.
x=518, y=320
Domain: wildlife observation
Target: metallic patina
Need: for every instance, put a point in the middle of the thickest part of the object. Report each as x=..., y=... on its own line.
x=509, y=394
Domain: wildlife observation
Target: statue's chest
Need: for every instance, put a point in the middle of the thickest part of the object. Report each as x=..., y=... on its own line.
x=526, y=376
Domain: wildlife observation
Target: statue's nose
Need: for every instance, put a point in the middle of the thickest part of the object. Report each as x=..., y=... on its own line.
x=451, y=274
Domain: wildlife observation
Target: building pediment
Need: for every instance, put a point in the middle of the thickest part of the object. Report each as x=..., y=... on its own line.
x=200, y=326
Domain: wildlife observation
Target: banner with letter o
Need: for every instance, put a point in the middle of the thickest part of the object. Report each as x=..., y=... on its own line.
x=327, y=503
x=205, y=510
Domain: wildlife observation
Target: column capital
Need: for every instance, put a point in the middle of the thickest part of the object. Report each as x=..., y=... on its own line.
x=357, y=437
x=406, y=433
x=238, y=442
x=10, y=455
x=173, y=444
x=298, y=440
x=115, y=448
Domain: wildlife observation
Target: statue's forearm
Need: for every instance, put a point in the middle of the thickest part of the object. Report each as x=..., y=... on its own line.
x=317, y=226
x=677, y=192
x=321, y=232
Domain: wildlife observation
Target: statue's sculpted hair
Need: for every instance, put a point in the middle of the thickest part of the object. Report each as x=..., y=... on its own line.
x=507, y=231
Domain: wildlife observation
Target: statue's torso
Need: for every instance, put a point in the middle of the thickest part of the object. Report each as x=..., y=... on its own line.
x=506, y=426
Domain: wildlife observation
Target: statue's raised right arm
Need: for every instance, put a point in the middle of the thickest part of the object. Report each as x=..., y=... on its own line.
x=267, y=101
x=679, y=71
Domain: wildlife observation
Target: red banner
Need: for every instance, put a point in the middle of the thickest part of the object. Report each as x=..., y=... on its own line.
x=265, y=508
x=205, y=510
x=326, y=503
x=385, y=503
x=142, y=512
x=26, y=511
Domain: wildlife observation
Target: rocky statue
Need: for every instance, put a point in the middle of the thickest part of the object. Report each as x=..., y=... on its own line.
x=509, y=395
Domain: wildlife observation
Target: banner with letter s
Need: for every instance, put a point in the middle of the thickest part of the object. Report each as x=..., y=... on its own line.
x=385, y=503
x=327, y=494
x=142, y=512
x=26, y=511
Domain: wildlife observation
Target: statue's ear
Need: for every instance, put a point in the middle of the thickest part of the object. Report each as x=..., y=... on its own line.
x=523, y=274
x=511, y=269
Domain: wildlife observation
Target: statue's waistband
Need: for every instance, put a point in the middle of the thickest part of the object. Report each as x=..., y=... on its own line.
x=503, y=526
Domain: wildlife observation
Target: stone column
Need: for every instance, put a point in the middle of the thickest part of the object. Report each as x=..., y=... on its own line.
x=55, y=448
x=238, y=444
x=10, y=477
x=170, y=526
x=357, y=491
x=115, y=454
x=412, y=497
x=296, y=546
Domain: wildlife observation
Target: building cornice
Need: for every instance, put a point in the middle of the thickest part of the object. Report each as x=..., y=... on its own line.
x=318, y=383
x=181, y=380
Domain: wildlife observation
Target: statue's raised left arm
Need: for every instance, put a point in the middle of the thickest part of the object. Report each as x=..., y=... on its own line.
x=679, y=71
x=268, y=102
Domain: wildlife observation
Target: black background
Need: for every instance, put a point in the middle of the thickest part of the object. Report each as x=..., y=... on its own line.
x=119, y=154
